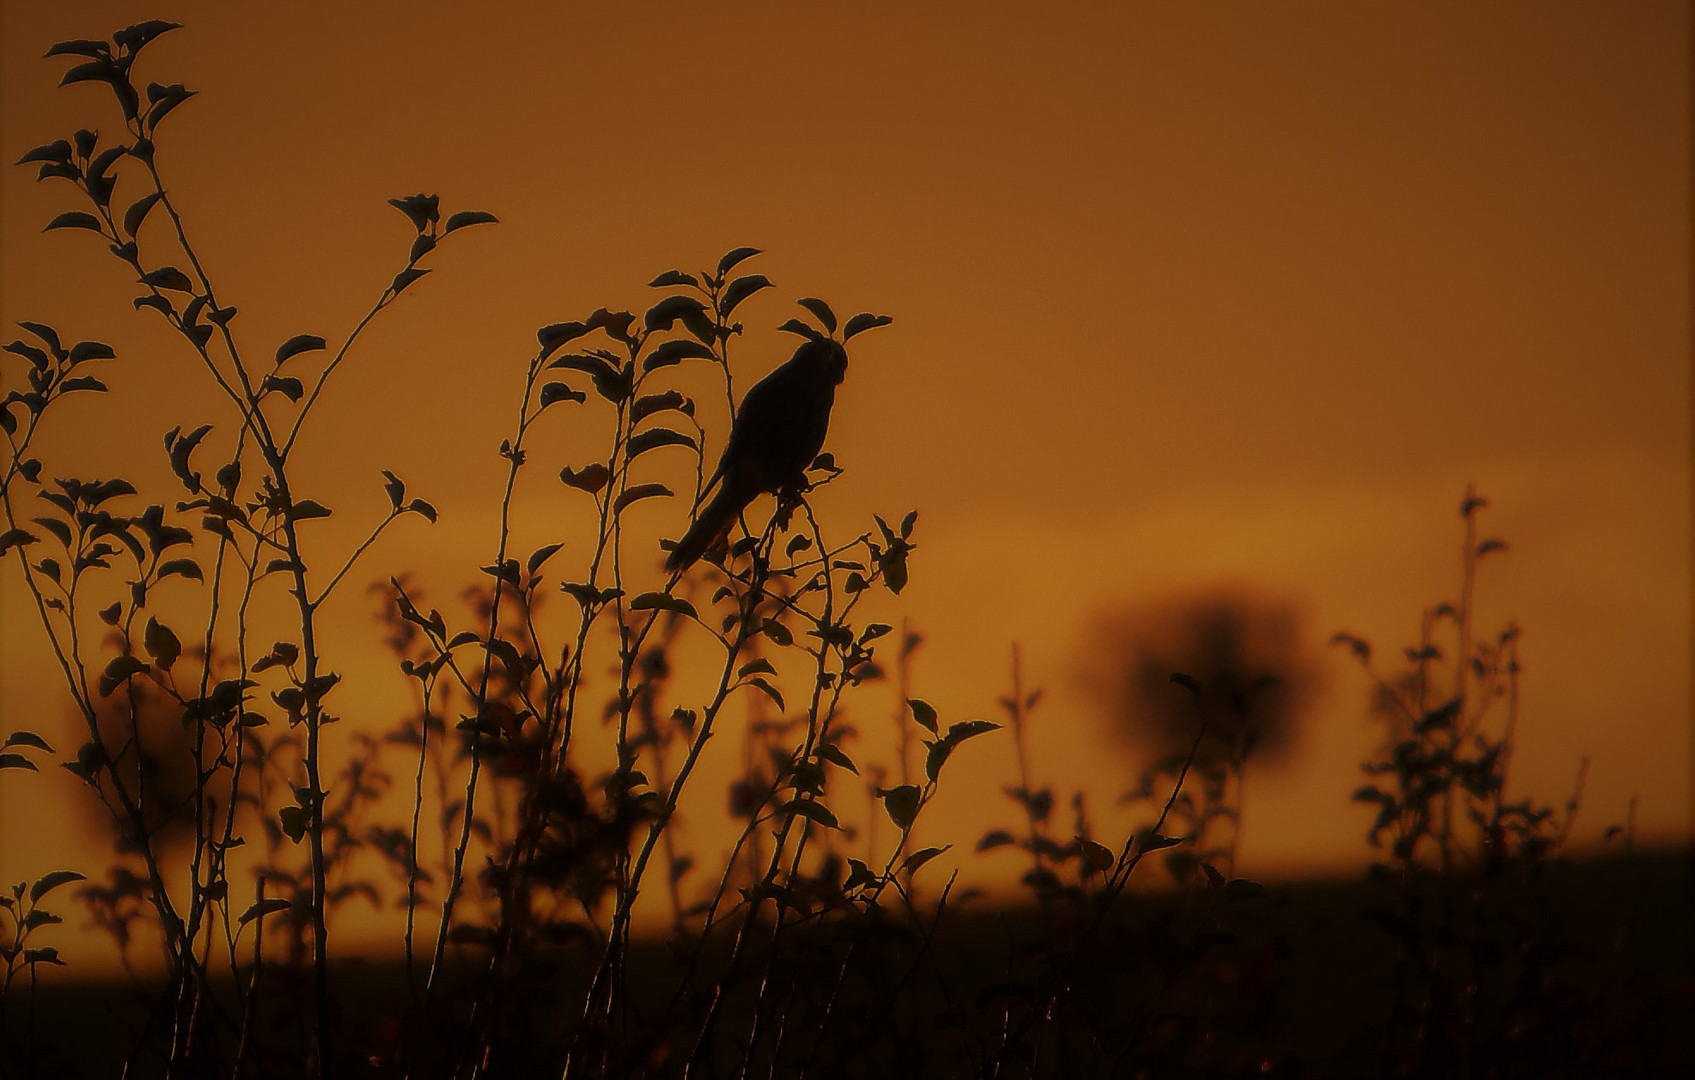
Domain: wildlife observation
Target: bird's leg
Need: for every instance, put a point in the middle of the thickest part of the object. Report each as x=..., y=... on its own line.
x=788, y=500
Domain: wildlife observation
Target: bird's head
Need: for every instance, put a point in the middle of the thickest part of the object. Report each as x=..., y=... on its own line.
x=828, y=355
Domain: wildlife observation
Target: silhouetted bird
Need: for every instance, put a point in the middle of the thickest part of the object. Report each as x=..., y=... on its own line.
x=777, y=433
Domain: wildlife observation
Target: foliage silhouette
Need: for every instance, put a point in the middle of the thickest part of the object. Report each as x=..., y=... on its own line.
x=552, y=738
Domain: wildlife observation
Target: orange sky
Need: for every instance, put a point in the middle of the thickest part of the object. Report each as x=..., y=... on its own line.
x=1183, y=295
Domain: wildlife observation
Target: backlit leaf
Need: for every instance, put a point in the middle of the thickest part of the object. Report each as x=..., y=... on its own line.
x=161, y=643
x=739, y=290
x=863, y=322
x=919, y=858
x=657, y=601
x=75, y=219
x=734, y=256
x=168, y=277
x=902, y=805
x=639, y=491
x=924, y=713
x=468, y=217
x=274, y=904
x=653, y=438
x=46, y=883
x=820, y=310
x=667, y=353
x=558, y=391
x=590, y=478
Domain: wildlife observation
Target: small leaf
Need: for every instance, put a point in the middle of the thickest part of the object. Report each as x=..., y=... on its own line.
x=924, y=713
x=589, y=478
x=958, y=733
x=739, y=290
x=286, y=385
x=731, y=258
x=405, y=278
x=653, y=438
x=1097, y=857
x=187, y=568
x=396, y=489
x=506, y=571
x=670, y=278
x=587, y=595
x=168, y=277
x=26, y=738
x=422, y=509
x=859, y=875
x=692, y=312
x=296, y=345
x=57, y=528
x=639, y=491
x=552, y=337
x=421, y=210
x=58, y=151
x=836, y=756
x=307, y=509
x=540, y=555
x=902, y=805
x=164, y=99
x=675, y=351
x=46, y=883
x=134, y=37
x=35, y=356
x=294, y=820
x=795, y=326
x=759, y=666
x=919, y=858
x=862, y=322
x=813, y=810
x=468, y=217
x=821, y=310
x=161, y=643
x=558, y=391
x=137, y=213
x=615, y=323
x=648, y=404
x=769, y=691
x=17, y=761
x=274, y=904
x=119, y=670
x=657, y=601
x=91, y=350
x=76, y=219
x=98, y=168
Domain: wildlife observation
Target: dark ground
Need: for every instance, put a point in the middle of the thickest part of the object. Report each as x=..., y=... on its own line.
x=1582, y=969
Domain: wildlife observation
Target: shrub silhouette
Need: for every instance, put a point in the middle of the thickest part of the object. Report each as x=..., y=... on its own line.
x=278, y=842
x=1251, y=680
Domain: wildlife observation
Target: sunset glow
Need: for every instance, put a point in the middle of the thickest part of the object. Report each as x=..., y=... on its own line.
x=1191, y=305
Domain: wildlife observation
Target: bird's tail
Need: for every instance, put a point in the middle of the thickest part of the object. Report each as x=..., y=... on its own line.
x=713, y=521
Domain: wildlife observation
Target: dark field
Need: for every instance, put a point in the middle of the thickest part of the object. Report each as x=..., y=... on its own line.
x=1581, y=969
